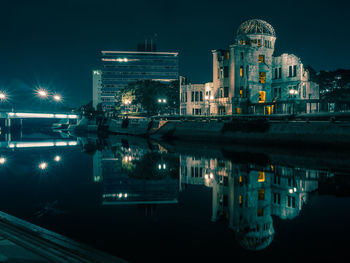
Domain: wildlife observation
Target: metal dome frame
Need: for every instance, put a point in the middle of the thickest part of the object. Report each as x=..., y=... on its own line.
x=256, y=26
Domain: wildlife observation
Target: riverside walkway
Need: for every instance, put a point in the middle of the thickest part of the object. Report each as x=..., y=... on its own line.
x=21, y=241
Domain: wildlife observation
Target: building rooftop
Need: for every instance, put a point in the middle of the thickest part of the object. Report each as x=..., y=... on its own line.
x=256, y=26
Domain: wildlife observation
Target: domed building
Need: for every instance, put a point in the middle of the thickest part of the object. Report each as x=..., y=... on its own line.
x=247, y=78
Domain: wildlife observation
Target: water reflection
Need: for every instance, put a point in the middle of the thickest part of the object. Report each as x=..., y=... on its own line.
x=246, y=194
x=133, y=193
x=135, y=174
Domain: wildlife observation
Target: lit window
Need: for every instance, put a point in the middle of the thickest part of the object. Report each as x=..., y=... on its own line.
x=261, y=194
x=241, y=71
x=241, y=92
x=261, y=58
x=261, y=177
x=240, y=179
x=240, y=201
x=262, y=96
x=262, y=77
x=259, y=43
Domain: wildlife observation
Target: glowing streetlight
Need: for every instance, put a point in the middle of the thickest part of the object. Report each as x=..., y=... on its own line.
x=160, y=100
x=2, y=160
x=3, y=96
x=57, y=158
x=42, y=166
x=57, y=97
x=42, y=93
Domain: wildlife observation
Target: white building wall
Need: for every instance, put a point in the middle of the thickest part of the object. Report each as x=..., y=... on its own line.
x=196, y=99
x=96, y=87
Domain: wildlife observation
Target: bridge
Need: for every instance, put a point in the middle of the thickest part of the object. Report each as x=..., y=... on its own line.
x=8, y=116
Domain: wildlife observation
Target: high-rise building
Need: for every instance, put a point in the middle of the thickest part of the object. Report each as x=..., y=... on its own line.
x=119, y=68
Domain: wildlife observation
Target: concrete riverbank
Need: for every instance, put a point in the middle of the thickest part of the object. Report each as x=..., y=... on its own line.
x=317, y=129
x=21, y=241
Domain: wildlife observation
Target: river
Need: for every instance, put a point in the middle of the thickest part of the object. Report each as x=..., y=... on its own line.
x=150, y=201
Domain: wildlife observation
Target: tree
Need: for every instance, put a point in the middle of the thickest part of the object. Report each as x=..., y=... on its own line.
x=145, y=95
x=89, y=112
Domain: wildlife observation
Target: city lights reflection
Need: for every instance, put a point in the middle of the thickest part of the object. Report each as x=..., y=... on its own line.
x=23, y=144
x=2, y=160
x=57, y=158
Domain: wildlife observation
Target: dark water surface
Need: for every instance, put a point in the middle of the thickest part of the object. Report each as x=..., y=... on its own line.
x=147, y=201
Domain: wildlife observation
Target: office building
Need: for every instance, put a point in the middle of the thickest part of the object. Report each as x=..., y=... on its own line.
x=119, y=68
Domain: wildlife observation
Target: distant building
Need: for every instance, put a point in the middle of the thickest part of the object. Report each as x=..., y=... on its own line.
x=247, y=78
x=196, y=99
x=119, y=68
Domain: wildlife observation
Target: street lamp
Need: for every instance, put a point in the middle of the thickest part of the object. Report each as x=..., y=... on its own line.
x=57, y=98
x=43, y=165
x=162, y=101
x=3, y=96
x=42, y=93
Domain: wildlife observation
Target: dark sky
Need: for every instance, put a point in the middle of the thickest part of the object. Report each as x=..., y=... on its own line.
x=56, y=44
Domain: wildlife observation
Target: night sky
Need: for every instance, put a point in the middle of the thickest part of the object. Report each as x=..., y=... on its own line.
x=56, y=44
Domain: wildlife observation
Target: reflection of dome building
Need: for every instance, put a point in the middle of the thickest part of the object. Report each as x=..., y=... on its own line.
x=248, y=195
x=256, y=239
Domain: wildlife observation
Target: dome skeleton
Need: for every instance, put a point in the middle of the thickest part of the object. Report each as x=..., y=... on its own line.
x=256, y=26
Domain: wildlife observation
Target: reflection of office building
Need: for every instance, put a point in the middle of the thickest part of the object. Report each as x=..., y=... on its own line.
x=249, y=195
x=122, y=67
x=118, y=171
